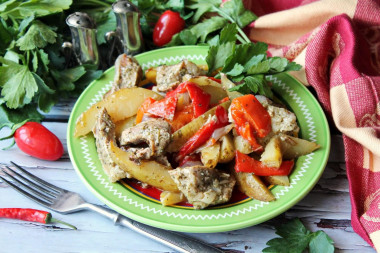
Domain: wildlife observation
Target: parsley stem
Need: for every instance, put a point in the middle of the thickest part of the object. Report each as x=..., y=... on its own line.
x=226, y=16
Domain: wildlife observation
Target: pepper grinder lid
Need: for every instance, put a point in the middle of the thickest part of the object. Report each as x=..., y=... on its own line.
x=124, y=7
x=80, y=20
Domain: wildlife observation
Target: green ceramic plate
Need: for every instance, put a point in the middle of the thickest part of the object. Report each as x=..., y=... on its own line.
x=142, y=208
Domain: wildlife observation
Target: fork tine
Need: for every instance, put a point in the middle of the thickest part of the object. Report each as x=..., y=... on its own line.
x=35, y=192
x=39, y=180
x=40, y=188
x=26, y=194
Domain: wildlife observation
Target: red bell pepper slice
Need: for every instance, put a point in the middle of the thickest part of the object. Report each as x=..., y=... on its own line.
x=143, y=109
x=245, y=163
x=253, y=112
x=204, y=133
x=243, y=128
x=182, y=117
x=164, y=108
x=200, y=99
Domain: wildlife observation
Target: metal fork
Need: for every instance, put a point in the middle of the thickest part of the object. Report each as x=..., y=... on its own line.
x=64, y=201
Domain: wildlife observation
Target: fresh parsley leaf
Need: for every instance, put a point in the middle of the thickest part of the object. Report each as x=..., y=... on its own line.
x=18, y=84
x=25, y=9
x=237, y=70
x=65, y=78
x=259, y=68
x=235, y=9
x=242, y=88
x=109, y=24
x=25, y=23
x=228, y=34
x=203, y=6
x=188, y=37
x=295, y=238
x=217, y=55
x=10, y=117
x=37, y=36
x=201, y=30
x=321, y=242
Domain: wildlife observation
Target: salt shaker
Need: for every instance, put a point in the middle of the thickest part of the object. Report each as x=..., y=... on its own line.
x=83, y=33
x=128, y=27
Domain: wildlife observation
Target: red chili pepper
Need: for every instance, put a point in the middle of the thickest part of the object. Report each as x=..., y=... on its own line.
x=28, y=214
x=204, y=133
x=164, y=108
x=245, y=163
x=143, y=109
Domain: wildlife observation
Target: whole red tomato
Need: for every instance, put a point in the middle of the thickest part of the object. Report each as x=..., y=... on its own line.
x=36, y=140
x=168, y=24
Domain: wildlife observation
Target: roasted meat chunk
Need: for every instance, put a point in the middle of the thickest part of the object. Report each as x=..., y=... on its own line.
x=168, y=77
x=128, y=73
x=104, y=133
x=147, y=140
x=203, y=186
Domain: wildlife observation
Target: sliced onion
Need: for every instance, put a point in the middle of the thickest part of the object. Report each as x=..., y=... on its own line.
x=216, y=135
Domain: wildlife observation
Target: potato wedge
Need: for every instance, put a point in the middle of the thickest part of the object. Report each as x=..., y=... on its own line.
x=181, y=136
x=228, y=84
x=272, y=155
x=227, y=149
x=150, y=172
x=211, y=87
x=252, y=186
x=242, y=145
x=150, y=75
x=171, y=198
x=277, y=180
x=293, y=147
x=120, y=105
x=121, y=125
x=210, y=155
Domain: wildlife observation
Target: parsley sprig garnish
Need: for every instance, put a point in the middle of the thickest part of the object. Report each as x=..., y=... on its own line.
x=295, y=238
x=247, y=64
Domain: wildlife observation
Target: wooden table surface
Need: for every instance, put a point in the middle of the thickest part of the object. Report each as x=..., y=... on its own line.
x=326, y=207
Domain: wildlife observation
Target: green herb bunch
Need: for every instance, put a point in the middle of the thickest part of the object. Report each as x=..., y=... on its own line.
x=33, y=72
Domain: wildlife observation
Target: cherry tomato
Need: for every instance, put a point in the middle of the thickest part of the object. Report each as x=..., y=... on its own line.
x=36, y=140
x=168, y=24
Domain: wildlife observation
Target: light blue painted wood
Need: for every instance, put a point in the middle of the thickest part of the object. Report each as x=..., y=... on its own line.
x=329, y=201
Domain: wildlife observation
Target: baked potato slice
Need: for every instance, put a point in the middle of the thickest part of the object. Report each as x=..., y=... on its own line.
x=121, y=125
x=242, y=145
x=210, y=155
x=171, y=198
x=211, y=87
x=252, y=186
x=120, y=105
x=272, y=155
x=277, y=180
x=149, y=172
x=183, y=134
x=293, y=147
x=227, y=149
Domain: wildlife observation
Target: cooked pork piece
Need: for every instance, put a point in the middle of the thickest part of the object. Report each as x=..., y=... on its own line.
x=128, y=73
x=283, y=120
x=147, y=140
x=168, y=77
x=104, y=133
x=203, y=186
